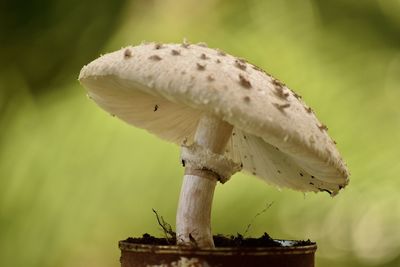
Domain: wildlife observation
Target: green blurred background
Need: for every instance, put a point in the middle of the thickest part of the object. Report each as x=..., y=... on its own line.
x=74, y=180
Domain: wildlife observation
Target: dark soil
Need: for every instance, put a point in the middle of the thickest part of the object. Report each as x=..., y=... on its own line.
x=220, y=241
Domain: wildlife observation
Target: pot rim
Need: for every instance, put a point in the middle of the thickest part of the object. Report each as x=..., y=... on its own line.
x=286, y=249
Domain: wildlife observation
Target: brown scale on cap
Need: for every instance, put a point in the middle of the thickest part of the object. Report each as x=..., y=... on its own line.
x=127, y=53
x=281, y=107
x=210, y=78
x=277, y=83
x=323, y=127
x=221, y=53
x=325, y=190
x=185, y=43
x=155, y=57
x=246, y=99
x=296, y=95
x=184, y=142
x=158, y=46
x=201, y=66
x=244, y=82
x=308, y=109
x=241, y=60
x=155, y=108
x=239, y=64
x=204, y=56
x=280, y=93
x=218, y=61
x=202, y=44
x=175, y=52
x=255, y=67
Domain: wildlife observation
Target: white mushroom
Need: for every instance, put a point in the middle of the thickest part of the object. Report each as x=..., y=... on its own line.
x=227, y=115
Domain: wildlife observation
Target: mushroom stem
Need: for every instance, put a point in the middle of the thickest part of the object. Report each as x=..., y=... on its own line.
x=193, y=220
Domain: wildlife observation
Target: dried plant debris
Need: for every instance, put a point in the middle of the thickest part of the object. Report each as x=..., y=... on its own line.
x=170, y=235
x=267, y=206
x=220, y=240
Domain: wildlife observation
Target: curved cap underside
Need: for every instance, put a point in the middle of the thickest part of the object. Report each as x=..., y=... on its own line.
x=165, y=89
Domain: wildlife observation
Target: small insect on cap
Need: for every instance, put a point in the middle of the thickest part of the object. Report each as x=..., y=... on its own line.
x=166, y=88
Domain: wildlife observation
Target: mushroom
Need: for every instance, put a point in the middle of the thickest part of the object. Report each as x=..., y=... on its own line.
x=219, y=129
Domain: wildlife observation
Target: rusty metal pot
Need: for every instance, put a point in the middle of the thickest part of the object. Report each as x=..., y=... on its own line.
x=288, y=255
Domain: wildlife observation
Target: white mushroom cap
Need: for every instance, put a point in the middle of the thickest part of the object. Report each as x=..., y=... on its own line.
x=165, y=89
